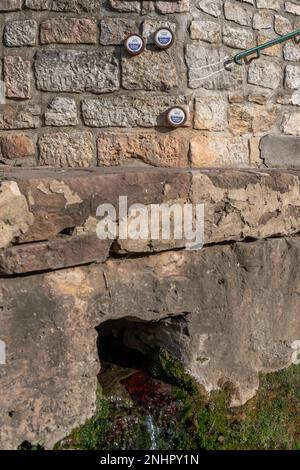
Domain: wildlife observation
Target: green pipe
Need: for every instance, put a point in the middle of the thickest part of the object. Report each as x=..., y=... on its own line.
x=256, y=50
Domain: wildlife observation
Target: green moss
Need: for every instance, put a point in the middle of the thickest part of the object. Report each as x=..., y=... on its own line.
x=268, y=421
x=193, y=420
x=166, y=367
x=91, y=435
x=112, y=427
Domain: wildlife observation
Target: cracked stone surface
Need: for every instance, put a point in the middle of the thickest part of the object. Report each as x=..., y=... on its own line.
x=229, y=311
x=238, y=204
x=15, y=218
x=238, y=317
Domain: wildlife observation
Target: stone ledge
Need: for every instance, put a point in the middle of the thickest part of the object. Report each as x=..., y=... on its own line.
x=58, y=208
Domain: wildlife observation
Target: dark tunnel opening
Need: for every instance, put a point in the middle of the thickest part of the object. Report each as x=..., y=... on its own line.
x=130, y=344
x=120, y=342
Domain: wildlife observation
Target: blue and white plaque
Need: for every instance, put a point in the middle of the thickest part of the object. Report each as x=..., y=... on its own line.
x=176, y=116
x=164, y=38
x=134, y=44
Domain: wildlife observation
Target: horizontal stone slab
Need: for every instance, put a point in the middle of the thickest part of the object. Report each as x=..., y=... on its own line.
x=61, y=199
x=45, y=205
x=54, y=254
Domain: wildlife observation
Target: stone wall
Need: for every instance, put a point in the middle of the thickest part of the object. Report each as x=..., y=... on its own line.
x=75, y=98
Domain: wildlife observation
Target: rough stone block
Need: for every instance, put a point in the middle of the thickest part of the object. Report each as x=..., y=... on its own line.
x=17, y=75
x=263, y=20
x=291, y=124
x=143, y=110
x=153, y=148
x=292, y=77
x=211, y=112
x=270, y=4
x=115, y=30
x=292, y=7
x=25, y=116
x=212, y=7
x=68, y=31
x=282, y=25
x=124, y=6
x=280, y=151
x=76, y=6
x=168, y=7
x=209, y=31
x=72, y=150
x=201, y=75
x=14, y=146
x=38, y=4
x=291, y=52
x=76, y=71
x=237, y=37
x=149, y=71
x=61, y=112
x=247, y=118
x=265, y=74
x=217, y=150
x=54, y=254
x=238, y=13
x=20, y=33
x=10, y=5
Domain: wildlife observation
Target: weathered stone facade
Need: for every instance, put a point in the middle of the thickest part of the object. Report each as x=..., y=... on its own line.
x=75, y=98
x=67, y=74
x=228, y=311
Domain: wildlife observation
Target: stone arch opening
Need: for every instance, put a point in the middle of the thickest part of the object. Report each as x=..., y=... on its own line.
x=124, y=342
x=133, y=343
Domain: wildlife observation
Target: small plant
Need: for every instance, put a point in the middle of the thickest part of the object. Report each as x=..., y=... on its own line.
x=166, y=367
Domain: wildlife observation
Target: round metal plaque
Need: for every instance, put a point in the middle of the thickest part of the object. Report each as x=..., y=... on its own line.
x=134, y=44
x=164, y=38
x=176, y=116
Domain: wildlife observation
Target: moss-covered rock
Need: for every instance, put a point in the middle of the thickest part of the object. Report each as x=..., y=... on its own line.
x=190, y=419
x=166, y=367
x=117, y=424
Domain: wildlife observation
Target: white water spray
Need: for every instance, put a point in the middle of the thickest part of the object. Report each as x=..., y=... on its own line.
x=153, y=431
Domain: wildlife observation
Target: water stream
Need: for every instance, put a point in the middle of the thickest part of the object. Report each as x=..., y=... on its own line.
x=141, y=407
x=153, y=430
